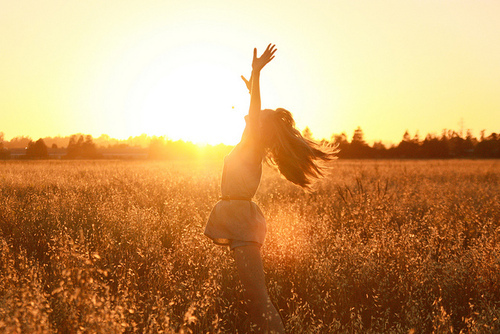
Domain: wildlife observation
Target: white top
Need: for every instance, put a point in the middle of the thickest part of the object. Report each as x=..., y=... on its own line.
x=238, y=219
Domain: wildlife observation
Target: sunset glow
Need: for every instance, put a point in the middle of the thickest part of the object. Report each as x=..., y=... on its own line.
x=188, y=94
x=173, y=68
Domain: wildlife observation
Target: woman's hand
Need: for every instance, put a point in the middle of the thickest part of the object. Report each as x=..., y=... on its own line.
x=258, y=63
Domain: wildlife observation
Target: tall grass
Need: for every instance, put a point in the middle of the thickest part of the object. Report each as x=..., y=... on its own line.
x=118, y=247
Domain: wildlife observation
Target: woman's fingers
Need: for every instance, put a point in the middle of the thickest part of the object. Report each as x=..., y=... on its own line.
x=266, y=57
x=270, y=50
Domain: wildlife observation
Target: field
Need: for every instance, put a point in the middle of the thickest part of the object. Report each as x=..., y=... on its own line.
x=118, y=247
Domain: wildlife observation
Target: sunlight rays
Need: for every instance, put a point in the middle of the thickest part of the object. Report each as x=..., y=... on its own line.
x=193, y=93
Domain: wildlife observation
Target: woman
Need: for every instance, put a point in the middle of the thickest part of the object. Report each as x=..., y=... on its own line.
x=238, y=222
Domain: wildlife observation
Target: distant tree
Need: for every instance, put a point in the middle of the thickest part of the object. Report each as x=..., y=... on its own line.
x=488, y=147
x=89, y=149
x=456, y=145
x=358, y=136
x=82, y=148
x=18, y=142
x=340, y=141
x=379, y=150
x=408, y=147
x=416, y=137
x=406, y=136
x=58, y=140
x=80, y=141
x=4, y=153
x=469, y=144
x=72, y=149
x=359, y=148
x=378, y=145
x=143, y=140
x=54, y=146
x=445, y=143
x=37, y=150
x=104, y=140
x=307, y=133
x=434, y=147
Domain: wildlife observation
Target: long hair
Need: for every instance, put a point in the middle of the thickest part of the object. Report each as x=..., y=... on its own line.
x=298, y=159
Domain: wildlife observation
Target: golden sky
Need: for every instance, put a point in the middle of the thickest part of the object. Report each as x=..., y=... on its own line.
x=172, y=67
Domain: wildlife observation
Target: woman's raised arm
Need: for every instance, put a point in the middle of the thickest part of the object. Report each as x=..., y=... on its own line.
x=258, y=64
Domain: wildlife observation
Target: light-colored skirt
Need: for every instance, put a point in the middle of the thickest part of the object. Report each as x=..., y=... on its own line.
x=240, y=220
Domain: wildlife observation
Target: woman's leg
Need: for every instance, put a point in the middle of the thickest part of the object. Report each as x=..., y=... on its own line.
x=251, y=272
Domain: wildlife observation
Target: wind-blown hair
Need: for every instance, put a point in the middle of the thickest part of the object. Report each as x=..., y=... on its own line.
x=298, y=159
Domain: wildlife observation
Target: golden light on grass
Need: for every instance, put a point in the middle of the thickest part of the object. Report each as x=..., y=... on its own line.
x=111, y=246
x=118, y=246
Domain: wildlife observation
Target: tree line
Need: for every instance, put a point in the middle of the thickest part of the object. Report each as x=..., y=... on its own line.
x=450, y=144
x=82, y=146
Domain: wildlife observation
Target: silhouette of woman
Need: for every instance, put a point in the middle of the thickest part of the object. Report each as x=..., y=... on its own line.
x=236, y=221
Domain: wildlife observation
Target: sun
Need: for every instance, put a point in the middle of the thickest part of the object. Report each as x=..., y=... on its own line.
x=193, y=98
x=197, y=102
